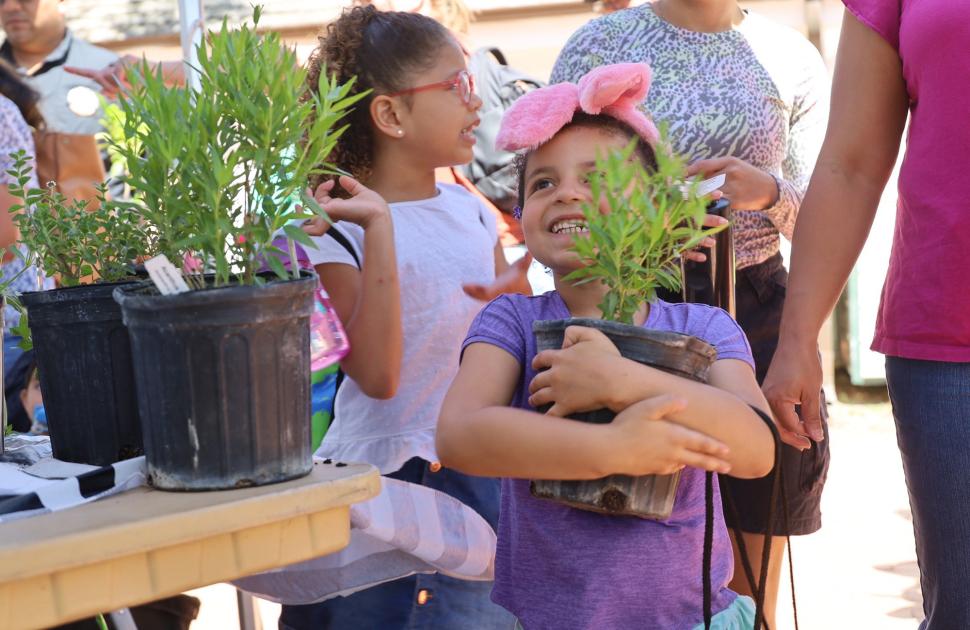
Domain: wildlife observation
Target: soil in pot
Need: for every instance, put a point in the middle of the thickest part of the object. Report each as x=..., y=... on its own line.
x=648, y=496
x=223, y=380
x=84, y=363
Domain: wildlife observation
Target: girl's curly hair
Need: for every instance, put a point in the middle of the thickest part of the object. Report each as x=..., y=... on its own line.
x=382, y=50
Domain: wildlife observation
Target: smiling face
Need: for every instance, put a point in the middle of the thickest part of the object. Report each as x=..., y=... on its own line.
x=556, y=185
x=438, y=124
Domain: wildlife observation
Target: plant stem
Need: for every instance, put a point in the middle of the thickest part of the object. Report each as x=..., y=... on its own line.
x=294, y=263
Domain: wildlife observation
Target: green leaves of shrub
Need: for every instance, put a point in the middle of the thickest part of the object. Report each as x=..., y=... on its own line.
x=635, y=247
x=76, y=240
x=215, y=171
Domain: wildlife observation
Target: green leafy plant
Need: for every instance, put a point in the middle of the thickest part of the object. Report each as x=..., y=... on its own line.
x=214, y=171
x=635, y=247
x=11, y=298
x=76, y=240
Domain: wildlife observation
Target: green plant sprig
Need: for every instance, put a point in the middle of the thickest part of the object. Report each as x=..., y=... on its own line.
x=75, y=240
x=635, y=247
x=215, y=171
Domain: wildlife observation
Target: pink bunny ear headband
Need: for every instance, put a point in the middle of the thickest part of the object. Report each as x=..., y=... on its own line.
x=613, y=90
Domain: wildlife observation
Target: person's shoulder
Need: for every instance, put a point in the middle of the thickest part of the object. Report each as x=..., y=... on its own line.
x=342, y=230
x=14, y=130
x=456, y=193
x=781, y=37
x=89, y=53
x=342, y=243
x=456, y=198
x=699, y=320
x=9, y=110
x=526, y=308
x=710, y=324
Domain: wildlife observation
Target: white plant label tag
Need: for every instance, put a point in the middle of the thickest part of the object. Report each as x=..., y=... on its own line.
x=166, y=276
x=706, y=187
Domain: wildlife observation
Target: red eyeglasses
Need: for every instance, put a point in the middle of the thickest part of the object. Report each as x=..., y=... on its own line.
x=463, y=83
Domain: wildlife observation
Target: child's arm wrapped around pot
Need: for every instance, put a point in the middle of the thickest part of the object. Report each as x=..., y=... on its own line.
x=589, y=373
x=480, y=434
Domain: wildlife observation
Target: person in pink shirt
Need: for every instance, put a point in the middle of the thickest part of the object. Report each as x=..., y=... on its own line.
x=897, y=57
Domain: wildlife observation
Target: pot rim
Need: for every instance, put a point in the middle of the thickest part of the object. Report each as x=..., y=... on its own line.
x=139, y=297
x=693, y=343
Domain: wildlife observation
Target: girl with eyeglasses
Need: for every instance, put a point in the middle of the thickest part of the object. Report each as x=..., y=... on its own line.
x=419, y=114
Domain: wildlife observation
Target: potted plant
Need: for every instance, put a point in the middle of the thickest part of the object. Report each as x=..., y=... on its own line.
x=634, y=249
x=223, y=370
x=82, y=348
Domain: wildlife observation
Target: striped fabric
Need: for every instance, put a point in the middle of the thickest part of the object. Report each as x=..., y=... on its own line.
x=406, y=529
x=44, y=496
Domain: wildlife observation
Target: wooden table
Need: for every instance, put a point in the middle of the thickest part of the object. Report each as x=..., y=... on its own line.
x=146, y=544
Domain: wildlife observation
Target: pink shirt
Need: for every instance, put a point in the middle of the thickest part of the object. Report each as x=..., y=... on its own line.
x=925, y=309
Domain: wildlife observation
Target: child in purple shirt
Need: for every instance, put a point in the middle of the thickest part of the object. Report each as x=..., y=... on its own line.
x=559, y=567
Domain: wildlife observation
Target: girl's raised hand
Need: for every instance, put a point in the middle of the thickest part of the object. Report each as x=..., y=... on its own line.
x=515, y=279
x=579, y=377
x=364, y=206
x=646, y=443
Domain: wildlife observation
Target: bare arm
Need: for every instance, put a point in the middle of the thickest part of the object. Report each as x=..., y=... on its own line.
x=480, y=435
x=869, y=106
x=367, y=301
x=721, y=409
x=588, y=373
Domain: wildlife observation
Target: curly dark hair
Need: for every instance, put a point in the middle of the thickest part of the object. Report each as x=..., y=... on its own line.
x=648, y=156
x=382, y=50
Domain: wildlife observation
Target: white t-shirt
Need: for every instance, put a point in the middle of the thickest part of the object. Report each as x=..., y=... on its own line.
x=441, y=243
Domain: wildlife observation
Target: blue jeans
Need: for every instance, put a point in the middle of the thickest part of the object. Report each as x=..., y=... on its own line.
x=931, y=404
x=418, y=602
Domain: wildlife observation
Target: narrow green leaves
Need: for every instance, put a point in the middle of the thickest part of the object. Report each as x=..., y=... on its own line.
x=220, y=172
x=635, y=247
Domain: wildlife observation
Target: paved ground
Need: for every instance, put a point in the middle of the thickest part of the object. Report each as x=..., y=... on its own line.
x=859, y=570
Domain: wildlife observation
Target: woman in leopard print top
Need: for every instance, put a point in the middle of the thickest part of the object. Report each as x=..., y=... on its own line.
x=746, y=97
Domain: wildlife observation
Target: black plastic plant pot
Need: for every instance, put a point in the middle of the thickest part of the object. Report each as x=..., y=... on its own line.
x=649, y=496
x=223, y=380
x=84, y=362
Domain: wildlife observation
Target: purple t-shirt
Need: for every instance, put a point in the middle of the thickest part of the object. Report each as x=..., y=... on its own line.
x=925, y=309
x=559, y=567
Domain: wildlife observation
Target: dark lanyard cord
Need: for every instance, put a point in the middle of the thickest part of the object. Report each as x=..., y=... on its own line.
x=777, y=487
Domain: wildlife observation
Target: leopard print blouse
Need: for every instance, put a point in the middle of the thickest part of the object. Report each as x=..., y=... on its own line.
x=758, y=92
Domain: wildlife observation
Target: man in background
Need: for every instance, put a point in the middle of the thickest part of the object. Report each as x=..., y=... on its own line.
x=39, y=44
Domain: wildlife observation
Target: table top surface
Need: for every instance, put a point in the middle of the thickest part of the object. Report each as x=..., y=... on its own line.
x=145, y=518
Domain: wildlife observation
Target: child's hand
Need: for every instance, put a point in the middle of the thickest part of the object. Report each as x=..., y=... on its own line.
x=644, y=442
x=364, y=206
x=512, y=280
x=580, y=377
x=711, y=220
